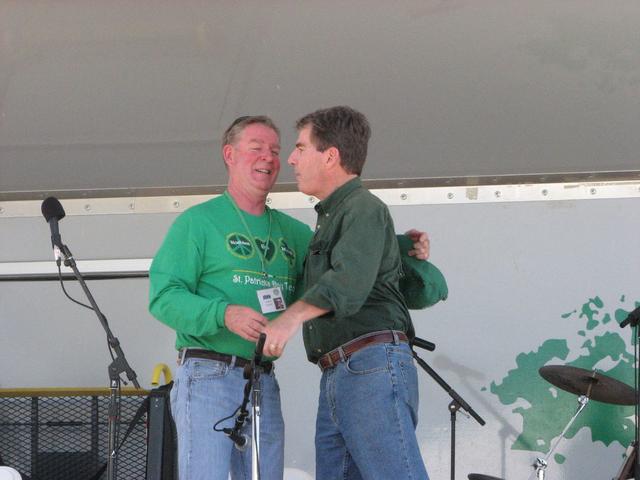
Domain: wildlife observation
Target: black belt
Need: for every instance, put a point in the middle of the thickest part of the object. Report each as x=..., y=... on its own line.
x=221, y=357
x=332, y=358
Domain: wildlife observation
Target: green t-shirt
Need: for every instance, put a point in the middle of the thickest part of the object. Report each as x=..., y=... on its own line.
x=208, y=261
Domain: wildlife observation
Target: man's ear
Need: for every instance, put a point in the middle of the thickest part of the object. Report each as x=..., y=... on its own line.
x=333, y=157
x=227, y=154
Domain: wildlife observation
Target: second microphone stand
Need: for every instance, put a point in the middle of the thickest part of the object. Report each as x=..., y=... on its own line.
x=455, y=405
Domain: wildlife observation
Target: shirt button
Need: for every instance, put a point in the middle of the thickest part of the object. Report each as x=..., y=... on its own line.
x=310, y=327
x=319, y=350
x=326, y=214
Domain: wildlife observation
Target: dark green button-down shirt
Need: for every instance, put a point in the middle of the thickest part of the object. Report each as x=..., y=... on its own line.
x=352, y=268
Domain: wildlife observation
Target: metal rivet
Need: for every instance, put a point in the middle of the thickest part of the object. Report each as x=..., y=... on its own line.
x=545, y=192
x=593, y=191
x=403, y=196
x=268, y=201
x=449, y=195
x=87, y=207
x=1, y=210
x=497, y=193
x=310, y=199
x=176, y=204
x=132, y=206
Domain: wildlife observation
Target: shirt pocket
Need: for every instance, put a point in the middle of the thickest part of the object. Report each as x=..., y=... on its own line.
x=318, y=261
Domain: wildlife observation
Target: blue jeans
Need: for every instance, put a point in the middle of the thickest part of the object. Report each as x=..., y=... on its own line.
x=367, y=415
x=206, y=391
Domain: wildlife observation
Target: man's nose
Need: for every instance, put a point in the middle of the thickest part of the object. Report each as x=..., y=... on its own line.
x=291, y=160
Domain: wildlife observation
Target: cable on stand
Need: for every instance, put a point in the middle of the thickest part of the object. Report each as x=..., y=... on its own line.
x=455, y=405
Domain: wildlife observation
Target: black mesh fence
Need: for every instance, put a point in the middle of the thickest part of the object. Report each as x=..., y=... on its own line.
x=59, y=437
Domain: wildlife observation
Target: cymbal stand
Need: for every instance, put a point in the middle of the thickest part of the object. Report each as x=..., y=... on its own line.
x=542, y=463
x=633, y=319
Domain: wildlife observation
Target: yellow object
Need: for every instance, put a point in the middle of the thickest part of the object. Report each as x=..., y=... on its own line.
x=161, y=367
x=68, y=392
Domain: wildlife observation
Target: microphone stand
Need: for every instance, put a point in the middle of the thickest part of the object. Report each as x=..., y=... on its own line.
x=251, y=373
x=633, y=319
x=116, y=368
x=256, y=369
x=455, y=405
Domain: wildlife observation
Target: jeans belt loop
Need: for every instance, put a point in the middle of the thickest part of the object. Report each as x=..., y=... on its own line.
x=396, y=340
x=343, y=356
x=182, y=354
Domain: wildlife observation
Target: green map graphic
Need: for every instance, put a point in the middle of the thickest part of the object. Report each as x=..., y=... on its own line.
x=549, y=408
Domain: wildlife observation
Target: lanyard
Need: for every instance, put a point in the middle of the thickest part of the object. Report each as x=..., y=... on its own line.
x=261, y=254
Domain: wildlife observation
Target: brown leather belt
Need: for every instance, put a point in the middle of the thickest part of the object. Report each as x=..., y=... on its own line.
x=220, y=357
x=337, y=355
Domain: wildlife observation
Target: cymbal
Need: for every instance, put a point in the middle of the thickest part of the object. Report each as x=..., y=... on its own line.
x=596, y=386
x=478, y=476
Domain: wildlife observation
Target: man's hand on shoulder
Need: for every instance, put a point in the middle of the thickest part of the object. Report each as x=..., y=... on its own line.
x=244, y=321
x=421, y=244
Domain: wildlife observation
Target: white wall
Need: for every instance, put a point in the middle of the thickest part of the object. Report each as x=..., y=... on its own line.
x=514, y=270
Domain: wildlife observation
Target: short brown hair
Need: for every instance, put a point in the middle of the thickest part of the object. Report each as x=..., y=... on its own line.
x=344, y=128
x=239, y=124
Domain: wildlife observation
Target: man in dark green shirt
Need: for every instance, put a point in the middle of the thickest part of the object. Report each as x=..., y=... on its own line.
x=356, y=325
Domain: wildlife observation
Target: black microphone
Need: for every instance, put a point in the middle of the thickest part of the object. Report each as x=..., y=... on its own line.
x=633, y=318
x=240, y=440
x=425, y=344
x=257, y=355
x=53, y=212
x=256, y=361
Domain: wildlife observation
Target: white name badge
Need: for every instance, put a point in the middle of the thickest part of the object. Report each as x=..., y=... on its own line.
x=271, y=300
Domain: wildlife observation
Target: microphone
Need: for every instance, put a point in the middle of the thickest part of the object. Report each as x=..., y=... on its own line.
x=256, y=361
x=257, y=355
x=633, y=318
x=425, y=344
x=240, y=440
x=53, y=212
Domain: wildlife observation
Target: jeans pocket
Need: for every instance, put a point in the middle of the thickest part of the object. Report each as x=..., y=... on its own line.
x=369, y=360
x=201, y=369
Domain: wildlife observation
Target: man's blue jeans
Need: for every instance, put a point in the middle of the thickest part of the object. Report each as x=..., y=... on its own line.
x=367, y=414
x=206, y=391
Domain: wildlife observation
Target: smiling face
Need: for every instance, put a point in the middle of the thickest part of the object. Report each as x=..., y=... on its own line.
x=253, y=161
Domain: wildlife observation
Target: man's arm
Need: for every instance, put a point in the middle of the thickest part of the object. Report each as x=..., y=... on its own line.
x=280, y=330
x=336, y=289
x=173, y=300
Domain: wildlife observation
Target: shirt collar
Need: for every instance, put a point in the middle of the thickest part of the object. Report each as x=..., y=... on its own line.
x=338, y=195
